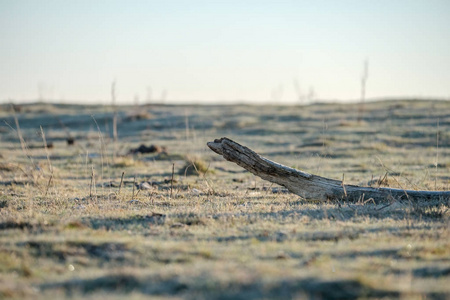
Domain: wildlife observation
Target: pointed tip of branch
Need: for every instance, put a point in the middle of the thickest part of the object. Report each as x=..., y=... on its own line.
x=216, y=146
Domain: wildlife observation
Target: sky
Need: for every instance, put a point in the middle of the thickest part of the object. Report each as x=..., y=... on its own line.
x=176, y=51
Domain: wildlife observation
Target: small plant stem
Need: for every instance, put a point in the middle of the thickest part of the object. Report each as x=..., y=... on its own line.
x=46, y=150
x=171, y=181
x=92, y=182
x=343, y=185
x=48, y=185
x=102, y=148
x=134, y=184
x=121, y=182
x=23, y=144
x=19, y=132
x=48, y=159
x=86, y=163
x=211, y=189
x=268, y=189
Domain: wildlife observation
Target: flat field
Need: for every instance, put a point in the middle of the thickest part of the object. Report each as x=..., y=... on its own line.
x=100, y=220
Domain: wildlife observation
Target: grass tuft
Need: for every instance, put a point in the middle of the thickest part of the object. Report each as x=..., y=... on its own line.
x=194, y=166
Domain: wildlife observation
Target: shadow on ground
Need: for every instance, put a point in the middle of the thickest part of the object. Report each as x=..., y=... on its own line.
x=311, y=288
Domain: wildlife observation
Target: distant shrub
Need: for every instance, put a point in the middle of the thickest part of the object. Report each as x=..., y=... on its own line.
x=138, y=115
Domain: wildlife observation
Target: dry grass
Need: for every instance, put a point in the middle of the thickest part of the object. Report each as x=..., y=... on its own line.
x=194, y=166
x=224, y=234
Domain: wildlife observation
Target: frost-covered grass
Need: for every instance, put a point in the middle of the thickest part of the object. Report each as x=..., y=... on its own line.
x=70, y=229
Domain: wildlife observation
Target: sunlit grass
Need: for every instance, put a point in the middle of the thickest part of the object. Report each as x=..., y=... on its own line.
x=83, y=231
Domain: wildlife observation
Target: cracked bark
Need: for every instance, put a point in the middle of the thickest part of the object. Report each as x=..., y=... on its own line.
x=313, y=187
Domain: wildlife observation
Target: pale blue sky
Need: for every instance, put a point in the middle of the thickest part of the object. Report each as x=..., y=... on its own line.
x=206, y=51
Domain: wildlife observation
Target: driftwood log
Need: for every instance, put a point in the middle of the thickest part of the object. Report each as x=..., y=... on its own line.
x=313, y=187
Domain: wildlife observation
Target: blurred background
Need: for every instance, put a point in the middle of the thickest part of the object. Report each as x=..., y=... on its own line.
x=223, y=51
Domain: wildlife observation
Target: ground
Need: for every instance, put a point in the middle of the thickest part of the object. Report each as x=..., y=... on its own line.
x=97, y=220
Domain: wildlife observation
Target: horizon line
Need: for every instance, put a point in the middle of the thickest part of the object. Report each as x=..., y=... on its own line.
x=220, y=102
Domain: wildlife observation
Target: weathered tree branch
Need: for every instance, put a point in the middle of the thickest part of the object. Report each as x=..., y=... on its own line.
x=310, y=186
